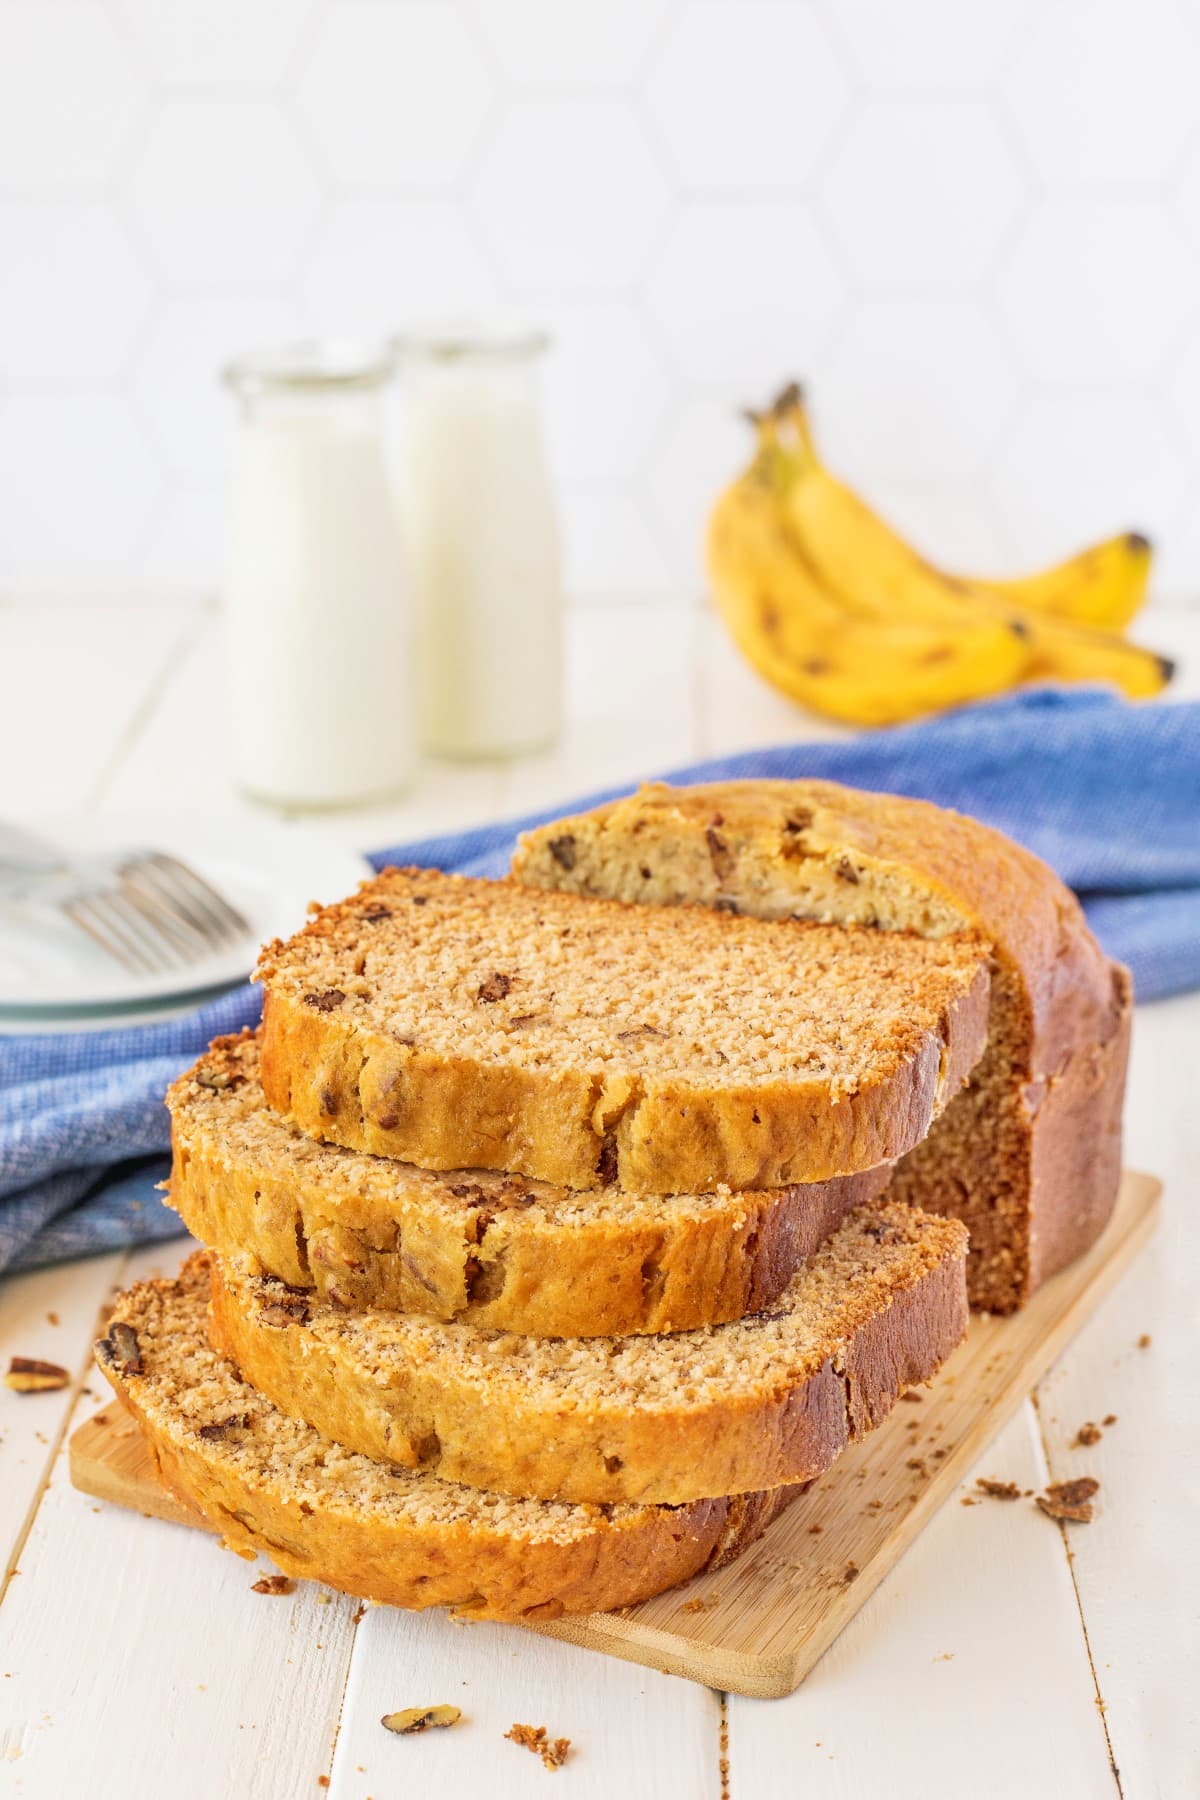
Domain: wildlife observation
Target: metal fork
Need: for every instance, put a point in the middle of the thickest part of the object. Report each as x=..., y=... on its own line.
x=147, y=910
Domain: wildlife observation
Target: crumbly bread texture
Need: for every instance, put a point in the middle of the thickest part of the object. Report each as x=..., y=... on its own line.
x=452, y=1022
x=1028, y=1155
x=496, y=1250
x=271, y=1484
x=731, y=1409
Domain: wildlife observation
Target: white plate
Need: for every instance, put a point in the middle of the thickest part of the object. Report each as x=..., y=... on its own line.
x=53, y=974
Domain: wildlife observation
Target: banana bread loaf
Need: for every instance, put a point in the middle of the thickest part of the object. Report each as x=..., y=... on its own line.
x=734, y=1408
x=271, y=1484
x=452, y=1022
x=1028, y=1155
x=492, y=1249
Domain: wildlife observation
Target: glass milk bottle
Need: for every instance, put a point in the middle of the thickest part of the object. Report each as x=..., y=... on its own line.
x=315, y=606
x=483, y=544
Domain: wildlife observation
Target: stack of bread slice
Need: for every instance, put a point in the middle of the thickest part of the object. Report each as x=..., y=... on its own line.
x=562, y=1229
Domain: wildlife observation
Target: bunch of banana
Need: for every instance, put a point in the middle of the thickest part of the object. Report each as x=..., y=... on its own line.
x=837, y=611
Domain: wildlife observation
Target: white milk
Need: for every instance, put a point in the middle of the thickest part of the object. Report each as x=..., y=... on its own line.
x=315, y=605
x=483, y=548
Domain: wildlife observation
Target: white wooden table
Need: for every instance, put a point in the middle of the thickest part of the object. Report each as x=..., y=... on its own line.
x=1000, y=1659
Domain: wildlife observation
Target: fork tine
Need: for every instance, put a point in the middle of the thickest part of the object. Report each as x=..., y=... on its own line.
x=88, y=912
x=146, y=893
x=184, y=941
x=180, y=905
x=190, y=889
x=78, y=911
x=192, y=880
x=155, y=948
x=141, y=876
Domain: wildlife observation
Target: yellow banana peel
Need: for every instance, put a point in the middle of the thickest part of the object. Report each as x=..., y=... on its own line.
x=1103, y=587
x=836, y=610
x=1061, y=651
x=848, y=666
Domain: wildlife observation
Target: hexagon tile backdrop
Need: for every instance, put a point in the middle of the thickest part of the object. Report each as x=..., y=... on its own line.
x=973, y=230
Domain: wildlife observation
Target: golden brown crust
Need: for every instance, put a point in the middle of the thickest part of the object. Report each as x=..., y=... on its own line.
x=976, y=878
x=1076, y=1143
x=1018, y=1154
x=340, y=1075
x=765, y=1401
x=460, y=1556
x=493, y=1250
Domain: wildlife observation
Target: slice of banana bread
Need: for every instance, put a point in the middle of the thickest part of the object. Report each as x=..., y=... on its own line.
x=452, y=1022
x=271, y=1484
x=496, y=1250
x=1028, y=1155
x=763, y=1401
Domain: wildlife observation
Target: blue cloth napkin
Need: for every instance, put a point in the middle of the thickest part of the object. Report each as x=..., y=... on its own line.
x=1107, y=793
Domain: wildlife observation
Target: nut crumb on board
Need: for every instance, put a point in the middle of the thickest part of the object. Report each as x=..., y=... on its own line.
x=1089, y=1433
x=420, y=1718
x=1109, y=1419
x=273, y=1584
x=1070, y=1500
x=553, y=1751
x=29, y=1375
x=52, y=1318
x=700, y=1603
x=1145, y=1341
x=850, y=1573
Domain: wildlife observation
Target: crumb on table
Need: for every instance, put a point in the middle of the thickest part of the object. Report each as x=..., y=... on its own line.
x=415, y=1719
x=998, y=1490
x=30, y=1375
x=553, y=1751
x=273, y=1584
x=1070, y=1500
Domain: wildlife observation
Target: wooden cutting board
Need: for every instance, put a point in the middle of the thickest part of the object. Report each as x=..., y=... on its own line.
x=759, y=1626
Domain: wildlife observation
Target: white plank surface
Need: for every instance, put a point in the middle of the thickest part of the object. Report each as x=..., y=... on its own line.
x=76, y=683
x=49, y=1314
x=635, y=1734
x=134, y=1660
x=1136, y=1567
x=957, y=1676
x=137, y=1661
